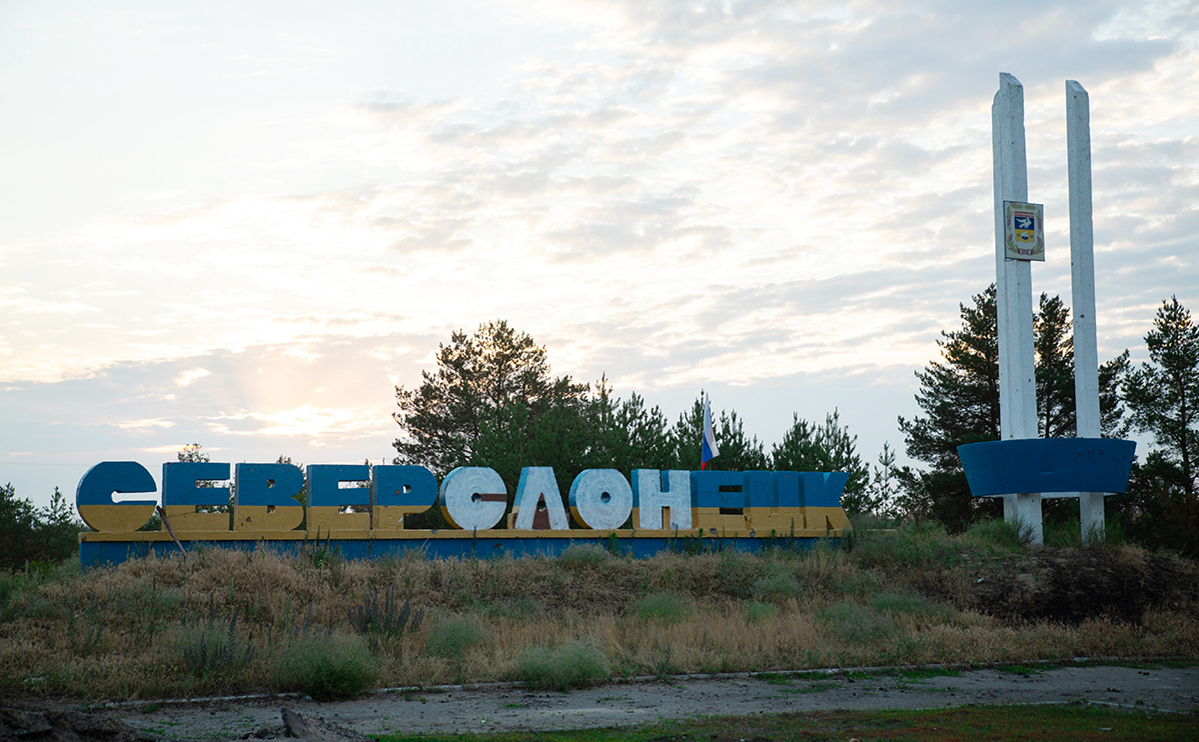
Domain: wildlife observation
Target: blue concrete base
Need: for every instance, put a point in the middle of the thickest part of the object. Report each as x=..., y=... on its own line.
x=97, y=553
x=1047, y=465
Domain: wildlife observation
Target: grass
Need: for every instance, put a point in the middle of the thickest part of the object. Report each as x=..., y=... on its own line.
x=1002, y=723
x=218, y=621
x=575, y=665
x=327, y=668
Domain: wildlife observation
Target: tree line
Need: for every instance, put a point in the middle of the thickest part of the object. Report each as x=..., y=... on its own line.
x=492, y=401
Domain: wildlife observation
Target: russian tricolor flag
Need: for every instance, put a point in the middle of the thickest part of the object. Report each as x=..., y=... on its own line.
x=707, y=447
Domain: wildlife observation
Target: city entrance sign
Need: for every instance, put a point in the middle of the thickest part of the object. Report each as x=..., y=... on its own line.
x=361, y=510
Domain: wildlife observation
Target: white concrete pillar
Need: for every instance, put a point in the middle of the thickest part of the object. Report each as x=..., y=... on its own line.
x=1082, y=291
x=1013, y=291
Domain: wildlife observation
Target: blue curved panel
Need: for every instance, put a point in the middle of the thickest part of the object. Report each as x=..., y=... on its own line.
x=1047, y=465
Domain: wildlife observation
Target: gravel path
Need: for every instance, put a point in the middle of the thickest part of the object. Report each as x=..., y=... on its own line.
x=515, y=708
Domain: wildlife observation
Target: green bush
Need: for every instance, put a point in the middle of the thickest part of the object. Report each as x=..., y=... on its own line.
x=997, y=531
x=520, y=608
x=325, y=667
x=212, y=651
x=912, y=605
x=756, y=611
x=777, y=587
x=451, y=637
x=855, y=624
x=583, y=555
x=924, y=546
x=574, y=665
x=662, y=607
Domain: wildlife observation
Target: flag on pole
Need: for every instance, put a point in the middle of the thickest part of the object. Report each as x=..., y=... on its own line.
x=707, y=446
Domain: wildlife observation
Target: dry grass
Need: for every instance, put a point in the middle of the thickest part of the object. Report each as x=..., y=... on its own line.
x=221, y=621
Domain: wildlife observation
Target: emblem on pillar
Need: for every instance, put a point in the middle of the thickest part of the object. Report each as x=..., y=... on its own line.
x=1024, y=231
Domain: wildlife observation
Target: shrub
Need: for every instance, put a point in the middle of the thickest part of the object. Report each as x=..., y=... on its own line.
x=925, y=546
x=854, y=623
x=997, y=531
x=387, y=617
x=777, y=587
x=912, y=605
x=665, y=608
x=451, y=637
x=212, y=651
x=583, y=555
x=325, y=667
x=575, y=665
x=756, y=611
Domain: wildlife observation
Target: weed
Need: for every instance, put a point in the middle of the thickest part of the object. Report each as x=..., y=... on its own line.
x=856, y=624
x=577, y=556
x=912, y=605
x=924, y=673
x=451, y=637
x=386, y=618
x=756, y=611
x=211, y=651
x=774, y=678
x=87, y=639
x=922, y=546
x=667, y=608
x=325, y=668
x=812, y=686
x=777, y=588
x=575, y=665
x=998, y=532
x=520, y=608
x=663, y=664
x=1022, y=670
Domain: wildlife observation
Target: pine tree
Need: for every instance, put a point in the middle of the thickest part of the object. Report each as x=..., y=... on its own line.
x=1163, y=399
x=960, y=400
x=824, y=448
x=738, y=450
x=482, y=379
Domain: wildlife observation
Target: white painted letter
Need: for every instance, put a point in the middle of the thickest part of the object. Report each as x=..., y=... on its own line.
x=473, y=498
x=537, y=485
x=649, y=498
x=601, y=498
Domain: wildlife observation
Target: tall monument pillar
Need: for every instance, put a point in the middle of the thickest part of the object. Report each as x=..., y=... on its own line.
x=1013, y=295
x=1082, y=289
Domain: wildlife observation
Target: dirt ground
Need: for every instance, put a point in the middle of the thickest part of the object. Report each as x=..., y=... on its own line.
x=515, y=708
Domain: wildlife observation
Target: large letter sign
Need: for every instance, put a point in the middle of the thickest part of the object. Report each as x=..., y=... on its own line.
x=266, y=497
x=364, y=510
x=601, y=498
x=473, y=498
x=93, y=497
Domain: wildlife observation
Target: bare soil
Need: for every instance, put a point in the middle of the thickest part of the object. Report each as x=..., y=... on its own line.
x=506, y=707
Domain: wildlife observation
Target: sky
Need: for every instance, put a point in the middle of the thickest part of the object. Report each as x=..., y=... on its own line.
x=243, y=224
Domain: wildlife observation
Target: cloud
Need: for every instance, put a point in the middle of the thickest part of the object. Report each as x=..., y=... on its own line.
x=191, y=375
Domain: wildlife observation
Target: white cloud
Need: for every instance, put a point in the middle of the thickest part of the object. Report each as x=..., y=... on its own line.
x=191, y=375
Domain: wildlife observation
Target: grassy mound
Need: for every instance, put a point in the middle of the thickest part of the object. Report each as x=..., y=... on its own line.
x=215, y=621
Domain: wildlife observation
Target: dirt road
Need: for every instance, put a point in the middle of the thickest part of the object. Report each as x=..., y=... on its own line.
x=509, y=708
